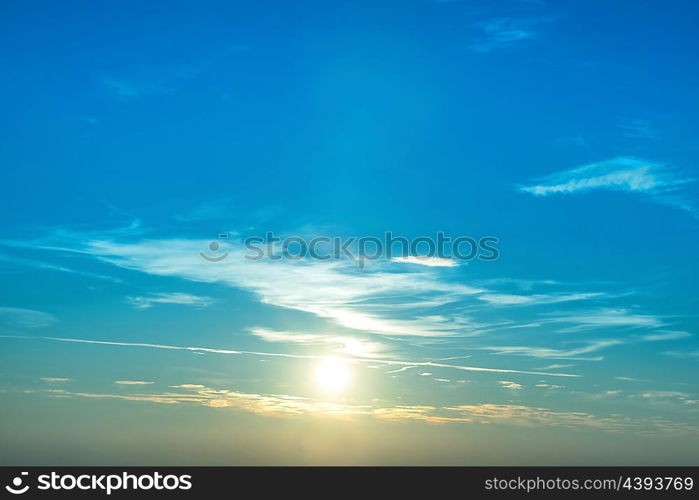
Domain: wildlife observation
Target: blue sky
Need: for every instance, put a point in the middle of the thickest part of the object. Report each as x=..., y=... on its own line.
x=134, y=134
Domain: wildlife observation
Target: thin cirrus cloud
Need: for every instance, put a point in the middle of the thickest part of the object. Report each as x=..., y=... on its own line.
x=399, y=301
x=534, y=299
x=339, y=344
x=576, y=353
x=25, y=318
x=508, y=384
x=165, y=79
x=603, y=317
x=132, y=382
x=501, y=33
x=593, y=345
x=682, y=354
x=276, y=405
x=259, y=354
x=376, y=301
x=149, y=81
x=426, y=261
x=38, y=264
x=186, y=299
x=666, y=335
x=624, y=173
x=55, y=380
x=638, y=129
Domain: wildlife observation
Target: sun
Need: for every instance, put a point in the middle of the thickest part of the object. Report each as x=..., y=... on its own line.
x=332, y=374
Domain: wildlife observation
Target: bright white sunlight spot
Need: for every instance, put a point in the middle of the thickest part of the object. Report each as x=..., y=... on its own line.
x=332, y=374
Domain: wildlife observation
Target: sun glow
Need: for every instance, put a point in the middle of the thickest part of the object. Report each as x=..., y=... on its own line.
x=332, y=375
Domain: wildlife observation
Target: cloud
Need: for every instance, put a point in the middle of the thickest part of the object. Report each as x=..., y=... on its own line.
x=550, y=386
x=638, y=129
x=507, y=384
x=165, y=79
x=351, y=346
x=666, y=335
x=148, y=81
x=623, y=173
x=603, y=318
x=426, y=261
x=170, y=298
x=37, y=264
x=402, y=369
x=535, y=299
x=591, y=320
x=392, y=300
x=682, y=354
x=555, y=366
x=122, y=89
x=501, y=33
x=664, y=394
x=131, y=382
x=669, y=397
x=367, y=301
x=25, y=318
x=388, y=362
x=52, y=380
x=547, y=352
x=378, y=300
x=276, y=405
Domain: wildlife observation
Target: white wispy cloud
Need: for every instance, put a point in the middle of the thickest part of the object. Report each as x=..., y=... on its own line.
x=503, y=32
x=682, y=354
x=388, y=362
x=390, y=300
x=623, y=173
x=148, y=81
x=536, y=299
x=122, y=89
x=552, y=387
x=186, y=299
x=508, y=384
x=667, y=395
x=287, y=405
x=375, y=301
x=351, y=346
x=38, y=264
x=547, y=352
x=554, y=366
x=132, y=382
x=604, y=317
x=600, y=318
x=638, y=129
x=401, y=369
x=25, y=318
x=426, y=261
x=666, y=335
x=379, y=299
x=52, y=380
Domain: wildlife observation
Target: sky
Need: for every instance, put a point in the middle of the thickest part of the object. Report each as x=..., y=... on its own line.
x=135, y=135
